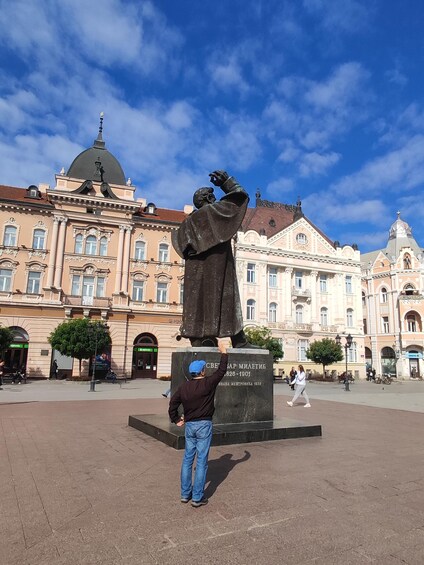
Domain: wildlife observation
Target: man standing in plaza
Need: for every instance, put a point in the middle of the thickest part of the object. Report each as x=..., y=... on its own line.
x=197, y=397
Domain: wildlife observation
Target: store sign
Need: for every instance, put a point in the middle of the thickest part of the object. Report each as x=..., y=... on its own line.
x=413, y=355
x=152, y=349
x=19, y=346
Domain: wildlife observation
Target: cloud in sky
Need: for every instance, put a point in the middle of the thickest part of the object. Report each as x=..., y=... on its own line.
x=282, y=94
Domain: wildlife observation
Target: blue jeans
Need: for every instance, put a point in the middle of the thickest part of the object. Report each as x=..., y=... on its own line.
x=198, y=436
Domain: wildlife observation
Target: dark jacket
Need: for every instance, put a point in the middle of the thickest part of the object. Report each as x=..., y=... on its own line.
x=197, y=396
x=211, y=296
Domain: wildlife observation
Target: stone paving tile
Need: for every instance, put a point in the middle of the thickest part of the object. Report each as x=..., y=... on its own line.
x=89, y=489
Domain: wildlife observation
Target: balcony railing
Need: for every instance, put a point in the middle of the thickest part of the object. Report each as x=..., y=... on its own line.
x=94, y=302
x=416, y=295
x=301, y=292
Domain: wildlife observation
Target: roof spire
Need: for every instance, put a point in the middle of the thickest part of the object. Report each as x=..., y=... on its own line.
x=99, y=143
x=101, y=123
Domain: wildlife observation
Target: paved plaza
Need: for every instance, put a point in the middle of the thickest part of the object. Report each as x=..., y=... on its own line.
x=79, y=486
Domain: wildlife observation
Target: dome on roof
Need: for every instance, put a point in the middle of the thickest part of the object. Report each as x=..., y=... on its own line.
x=97, y=164
x=400, y=228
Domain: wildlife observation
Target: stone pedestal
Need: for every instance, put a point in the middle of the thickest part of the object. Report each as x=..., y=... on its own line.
x=243, y=401
x=245, y=394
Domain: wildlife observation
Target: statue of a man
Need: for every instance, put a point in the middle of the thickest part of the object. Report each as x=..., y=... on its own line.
x=211, y=306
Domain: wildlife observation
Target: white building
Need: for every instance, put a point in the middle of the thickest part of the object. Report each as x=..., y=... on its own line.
x=296, y=281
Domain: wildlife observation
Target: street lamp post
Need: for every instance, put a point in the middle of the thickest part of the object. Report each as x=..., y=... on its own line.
x=346, y=346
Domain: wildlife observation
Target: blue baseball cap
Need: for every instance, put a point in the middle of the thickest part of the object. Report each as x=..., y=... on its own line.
x=196, y=367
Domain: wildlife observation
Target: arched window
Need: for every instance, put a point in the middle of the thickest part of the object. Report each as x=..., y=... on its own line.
x=10, y=236
x=91, y=245
x=411, y=323
x=140, y=251
x=78, y=243
x=324, y=316
x=349, y=318
x=163, y=252
x=299, y=314
x=250, y=310
x=406, y=261
x=383, y=295
x=103, y=246
x=38, y=239
x=272, y=312
x=409, y=289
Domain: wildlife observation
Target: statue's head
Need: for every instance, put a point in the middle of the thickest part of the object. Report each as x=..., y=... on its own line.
x=203, y=196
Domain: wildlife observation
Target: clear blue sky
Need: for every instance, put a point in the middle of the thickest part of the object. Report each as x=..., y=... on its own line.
x=321, y=99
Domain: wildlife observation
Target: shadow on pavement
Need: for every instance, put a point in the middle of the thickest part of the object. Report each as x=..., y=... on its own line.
x=219, y=469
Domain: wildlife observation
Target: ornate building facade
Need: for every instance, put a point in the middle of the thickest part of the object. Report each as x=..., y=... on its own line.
x=393, y=304
x=88, y=248
x=296, y=281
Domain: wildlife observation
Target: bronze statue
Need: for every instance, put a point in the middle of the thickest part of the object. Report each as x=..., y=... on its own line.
x=211, y=306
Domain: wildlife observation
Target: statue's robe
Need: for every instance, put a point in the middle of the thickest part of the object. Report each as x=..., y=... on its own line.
x=211, y=306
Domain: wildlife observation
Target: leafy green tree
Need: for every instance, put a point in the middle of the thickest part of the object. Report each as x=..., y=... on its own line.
x=325, y=352
x=262, y=337
x=80, y=339
x=6, y=338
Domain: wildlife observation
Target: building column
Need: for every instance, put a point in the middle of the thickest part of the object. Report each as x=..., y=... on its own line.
x=60, y=253
x=118, y=276
x=314, y=297
x=288, y=294
x=52, y=258
x=126, y=260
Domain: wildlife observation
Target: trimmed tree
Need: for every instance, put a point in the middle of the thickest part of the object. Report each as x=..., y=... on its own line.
x=6, y=338
x=80, y=339
x=262, y=337
x=325, y=352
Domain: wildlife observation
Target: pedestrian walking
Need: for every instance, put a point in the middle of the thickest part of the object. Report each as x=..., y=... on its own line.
x=197, y=398
x=167, y=392
x=292, y=377
x=300, y=386
x=1, y=373
x=54, y=370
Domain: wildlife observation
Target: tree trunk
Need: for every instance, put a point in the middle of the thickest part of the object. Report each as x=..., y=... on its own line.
x=79, y=368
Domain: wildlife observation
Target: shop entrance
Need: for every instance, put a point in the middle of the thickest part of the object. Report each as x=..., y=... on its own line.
x=414, y=365
x=145, y=356
x=15, y=358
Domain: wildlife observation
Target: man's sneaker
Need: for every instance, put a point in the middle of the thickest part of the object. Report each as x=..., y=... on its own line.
x=307, y=405
x=185, y=499
x=197, y=503
x=289, y=402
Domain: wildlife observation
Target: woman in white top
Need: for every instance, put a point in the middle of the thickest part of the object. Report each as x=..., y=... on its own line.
x=300, y=385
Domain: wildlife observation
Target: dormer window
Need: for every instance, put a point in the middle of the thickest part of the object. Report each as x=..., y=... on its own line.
x=150, y=208
x=33, y=192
